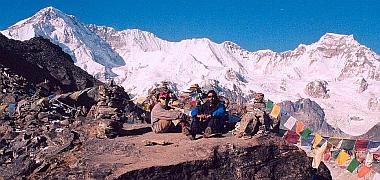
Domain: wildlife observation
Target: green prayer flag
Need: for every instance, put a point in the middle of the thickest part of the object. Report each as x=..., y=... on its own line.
x=348, y=144
x=305, y=134
x=269, y=104
x=353, y=165
x=335, y=154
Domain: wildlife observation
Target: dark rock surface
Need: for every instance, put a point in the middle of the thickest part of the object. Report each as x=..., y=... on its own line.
x=372, y=134
x=128, y=157
x=39, y=61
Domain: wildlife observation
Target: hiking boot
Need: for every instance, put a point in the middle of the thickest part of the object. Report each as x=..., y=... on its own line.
x=191, y=137
x=186, y=131
x=259, y=133
x=265, y=133
x=245, y=137
x=207, y=133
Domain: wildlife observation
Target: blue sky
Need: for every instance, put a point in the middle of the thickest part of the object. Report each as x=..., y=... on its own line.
x=279, y=25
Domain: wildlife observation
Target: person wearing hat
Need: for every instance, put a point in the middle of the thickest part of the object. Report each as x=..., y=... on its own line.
x=208, y=117
x=254, y=118
x=165, y=119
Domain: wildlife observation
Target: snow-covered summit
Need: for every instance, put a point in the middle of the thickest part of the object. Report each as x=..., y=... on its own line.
x=88, y=50
x=332, y=39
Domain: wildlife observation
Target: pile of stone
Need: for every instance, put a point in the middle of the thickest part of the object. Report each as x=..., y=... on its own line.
x=35, y=130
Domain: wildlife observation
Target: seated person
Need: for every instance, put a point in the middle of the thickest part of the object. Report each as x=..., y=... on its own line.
x=165, y=119
x=256, y=118
x=208, y=117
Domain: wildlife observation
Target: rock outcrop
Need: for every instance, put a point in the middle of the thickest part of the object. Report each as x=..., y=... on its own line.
x=317, y=89
x=372, y=134
x=41, y=62
x=311, y=114
x=172, y=156
x=363, y=85
x=374, y=104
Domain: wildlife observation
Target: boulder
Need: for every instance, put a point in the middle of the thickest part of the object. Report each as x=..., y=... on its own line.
x=374, y=104
x=362, y=85
x=317, y=89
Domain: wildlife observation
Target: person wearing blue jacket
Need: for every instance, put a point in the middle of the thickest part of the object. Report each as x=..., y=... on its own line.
x=209, y=117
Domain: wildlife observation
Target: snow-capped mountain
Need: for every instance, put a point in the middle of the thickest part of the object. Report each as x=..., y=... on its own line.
x=88, y=51
x=138, y=60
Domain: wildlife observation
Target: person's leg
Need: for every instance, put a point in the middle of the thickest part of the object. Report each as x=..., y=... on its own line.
x=195, y=126
x=161, y=126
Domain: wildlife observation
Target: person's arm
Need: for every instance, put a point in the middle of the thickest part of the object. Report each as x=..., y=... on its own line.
x=196, y=112
x=221, y=111
x=160, y=113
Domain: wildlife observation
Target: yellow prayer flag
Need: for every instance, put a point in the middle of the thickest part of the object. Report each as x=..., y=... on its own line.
x=299, y=127
x=318, y=155
x=317, y=139
x=342, y=158
x=275, y=111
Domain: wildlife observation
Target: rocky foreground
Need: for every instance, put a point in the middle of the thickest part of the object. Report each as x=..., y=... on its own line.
x=141, y=154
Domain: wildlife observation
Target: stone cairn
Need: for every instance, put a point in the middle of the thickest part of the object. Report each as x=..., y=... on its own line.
x=110, y=110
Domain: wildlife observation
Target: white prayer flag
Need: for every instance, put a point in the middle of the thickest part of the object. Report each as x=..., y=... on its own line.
x=290, y=122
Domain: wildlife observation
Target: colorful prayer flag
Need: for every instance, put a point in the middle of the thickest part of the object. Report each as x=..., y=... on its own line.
x=376, y=157
x=327, y=155
x=317, y=139
x=342, y=158
x=289, y=124
x=361, y=145
x=306, y=134
x=335, y=154
x=347, y=144
x=308, y=141
x=281, y=132
x=335, y=142
x=283, y=112
x=318, y=155
x=360, y=155
x=353, y=165
x=369, y=160
x=292, y=137
x=364, y=170
x=269, y=104
x=275, y=111
x=323, y=141
x=373, y=146
x=299, y=127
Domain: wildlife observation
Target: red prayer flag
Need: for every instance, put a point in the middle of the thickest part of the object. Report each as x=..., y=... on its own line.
x=292, y=137
x=376, y=157
x=327, y=154
x=361, y=145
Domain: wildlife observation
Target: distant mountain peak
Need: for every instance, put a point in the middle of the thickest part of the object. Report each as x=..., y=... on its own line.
x=332, y=39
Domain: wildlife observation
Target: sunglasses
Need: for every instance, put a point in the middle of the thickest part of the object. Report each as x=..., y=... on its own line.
x=211, y=96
